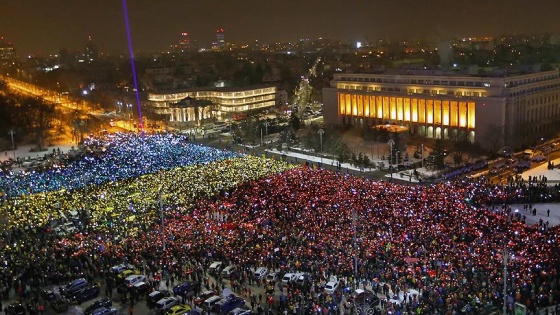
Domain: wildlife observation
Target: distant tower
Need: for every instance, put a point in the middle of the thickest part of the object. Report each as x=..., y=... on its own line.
x=220, y=37
x=90, y=52
x=185, y=42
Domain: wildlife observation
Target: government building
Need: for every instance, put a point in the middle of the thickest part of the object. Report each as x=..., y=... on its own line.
x=517, y=109
x=194, y=107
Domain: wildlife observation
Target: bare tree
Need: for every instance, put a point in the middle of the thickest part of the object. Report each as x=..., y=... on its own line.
x=494, y=138
x=42, y=115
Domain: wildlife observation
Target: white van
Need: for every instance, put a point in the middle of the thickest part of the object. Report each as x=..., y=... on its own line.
x=289, y=278
x=260, y=273
x=229, y=270
x=215, y=267
x=210, y=302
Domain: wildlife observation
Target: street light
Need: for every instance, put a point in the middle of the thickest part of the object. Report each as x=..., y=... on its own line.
x=354, y=215
x=118, y=108
x=321, y=132
x=422, y=155
x=266, y=124
x=12, y=133
x=391, y=143
x=162, y=217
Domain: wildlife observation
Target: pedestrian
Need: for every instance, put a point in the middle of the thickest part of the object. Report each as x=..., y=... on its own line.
x=131, y=310
x=548, y=212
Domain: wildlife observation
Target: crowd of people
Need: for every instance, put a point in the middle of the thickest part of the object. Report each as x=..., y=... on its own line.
x=446, y=241
x=113, y=158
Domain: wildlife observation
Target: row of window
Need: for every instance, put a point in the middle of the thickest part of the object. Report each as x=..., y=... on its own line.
x=413, y=90
x=531, y=80
x=536, y=89
x=209, y=94
x=471, y=83
x=479, y=82
x=405, y=109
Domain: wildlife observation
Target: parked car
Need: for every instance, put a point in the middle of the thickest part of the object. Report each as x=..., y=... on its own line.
x=289, y=278
x=104, y=302
x=209, y=303
x=155, y=296
x=165, y=304
x=215, y=267
x=15, y=309
x=229, y=270
x=130, y=281
x=125, y=274
x=332, y=285
x=184, y=288
x=141, y=288
x=74, y=286
x=303, y=280
x=178, y=310
x=230, y=303
x=87, y=293
x=202, y=297
x=117, y=269
x=260, y=273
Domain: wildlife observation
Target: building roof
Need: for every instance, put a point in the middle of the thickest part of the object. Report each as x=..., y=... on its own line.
x=472, y=72
x=216, y=89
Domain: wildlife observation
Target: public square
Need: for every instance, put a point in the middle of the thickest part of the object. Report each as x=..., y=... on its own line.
x=171, y=207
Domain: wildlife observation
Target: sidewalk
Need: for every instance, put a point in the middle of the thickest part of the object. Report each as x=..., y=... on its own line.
x=24, y=151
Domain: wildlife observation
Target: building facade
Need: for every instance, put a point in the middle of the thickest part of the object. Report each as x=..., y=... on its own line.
x=222, y=103
x=220, y=38
x=432, y=104
x=7, y=53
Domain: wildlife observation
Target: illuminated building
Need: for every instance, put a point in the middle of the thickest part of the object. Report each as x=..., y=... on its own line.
x=225, y=102
x=220, y=38
x=454, y=106
x=185, y=42
x=7, y=53
x=90, y=51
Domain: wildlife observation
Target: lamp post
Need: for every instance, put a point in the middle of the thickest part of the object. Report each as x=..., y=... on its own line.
x=12, y=133
x=391, y=144
x=118, y=108
x=321, y=132
x=354, y=215
x=266, y=124
x=504, y=311
x=162, y=217
x=422, y=154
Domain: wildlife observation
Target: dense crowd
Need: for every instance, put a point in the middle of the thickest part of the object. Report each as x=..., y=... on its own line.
x=446, y=241
x=113, y=158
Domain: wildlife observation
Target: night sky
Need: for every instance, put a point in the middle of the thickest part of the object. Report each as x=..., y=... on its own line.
x=45, y=26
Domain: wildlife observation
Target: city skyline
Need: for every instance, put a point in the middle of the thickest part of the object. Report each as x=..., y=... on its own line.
x=36, y=27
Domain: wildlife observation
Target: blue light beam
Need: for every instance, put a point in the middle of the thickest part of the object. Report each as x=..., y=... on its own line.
x=134, y=75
